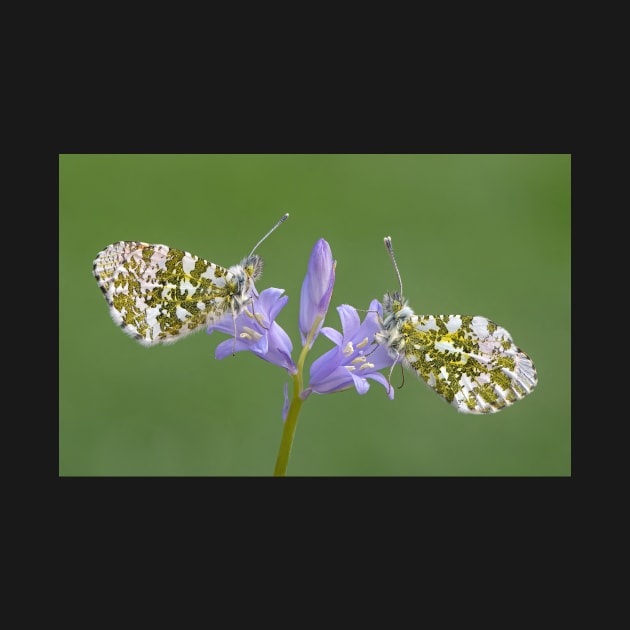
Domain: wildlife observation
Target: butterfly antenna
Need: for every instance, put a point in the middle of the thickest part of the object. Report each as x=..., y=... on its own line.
x=282, y=220
x=390, y=250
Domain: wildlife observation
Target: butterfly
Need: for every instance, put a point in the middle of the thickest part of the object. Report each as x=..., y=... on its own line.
x=470, y=361
x=159, y=294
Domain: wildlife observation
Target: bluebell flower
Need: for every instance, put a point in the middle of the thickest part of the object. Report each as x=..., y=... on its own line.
x=257, y=331
x=355, y=358
x=317, y=290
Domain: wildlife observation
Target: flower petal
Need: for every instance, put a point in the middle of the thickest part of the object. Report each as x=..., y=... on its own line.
x=379, y=378
x=355, y=358
x=316, y=291
x=254, y=329
x=335, y=336
x=360, y=383
x=350, y=321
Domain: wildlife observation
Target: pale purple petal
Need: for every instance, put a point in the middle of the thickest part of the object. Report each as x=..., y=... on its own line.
x=350, y=321
x=379, y=378
x=334, y=335
x=356, y=356
x=255, y=330
x=317, y=289
x=360, y=383
x=272, y=301
x=337, y=380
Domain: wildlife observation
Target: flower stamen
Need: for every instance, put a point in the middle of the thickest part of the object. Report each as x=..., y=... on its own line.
x=250, y=333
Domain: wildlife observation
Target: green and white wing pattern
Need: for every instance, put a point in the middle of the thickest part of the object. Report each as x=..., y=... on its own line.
x=469, y=361
x=159, y=294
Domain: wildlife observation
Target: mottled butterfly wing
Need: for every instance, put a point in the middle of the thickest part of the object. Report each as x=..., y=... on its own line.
x=471, y=362
x=468, y=360
x=158, y=294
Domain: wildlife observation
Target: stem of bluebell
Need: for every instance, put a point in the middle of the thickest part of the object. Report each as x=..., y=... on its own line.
x=290, y=423
x=288, y=432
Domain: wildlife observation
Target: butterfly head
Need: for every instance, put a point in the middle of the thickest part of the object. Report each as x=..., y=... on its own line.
x=244, y=275
x=252, y=267
x=395, y=308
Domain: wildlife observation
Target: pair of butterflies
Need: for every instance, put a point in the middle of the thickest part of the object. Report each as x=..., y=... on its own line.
x=158, y=294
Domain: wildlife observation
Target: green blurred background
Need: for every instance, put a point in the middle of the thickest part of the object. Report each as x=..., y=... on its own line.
x=473, y=234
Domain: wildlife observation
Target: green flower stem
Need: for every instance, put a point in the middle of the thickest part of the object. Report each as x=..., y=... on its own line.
x=290, y=423
x=288, y=432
